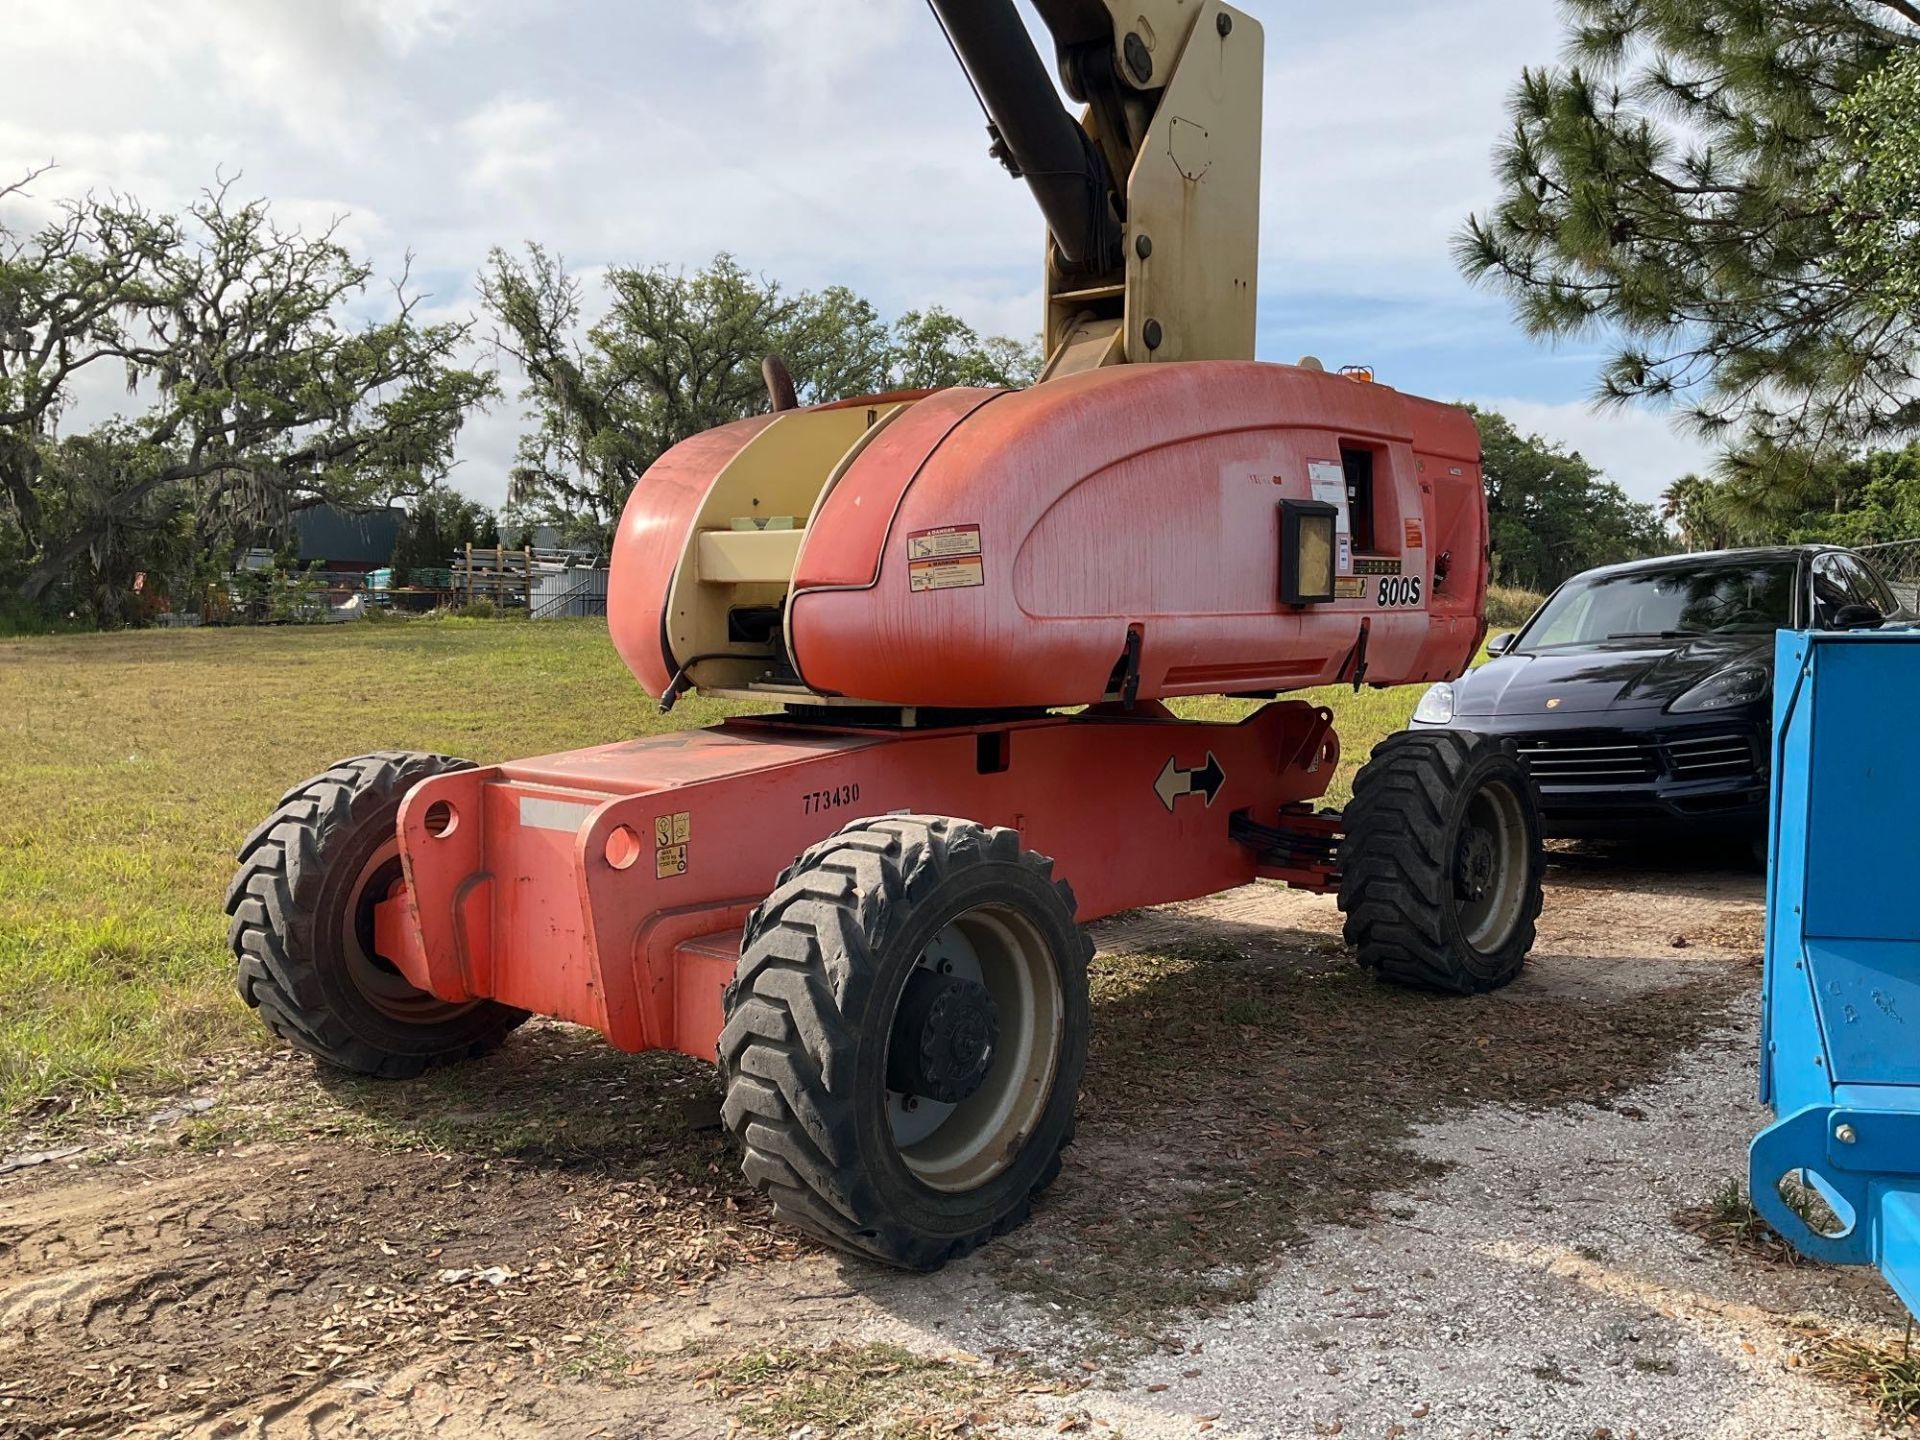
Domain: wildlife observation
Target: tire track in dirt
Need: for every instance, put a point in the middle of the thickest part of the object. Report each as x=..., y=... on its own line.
x=291, y=1290
x=223, y=1289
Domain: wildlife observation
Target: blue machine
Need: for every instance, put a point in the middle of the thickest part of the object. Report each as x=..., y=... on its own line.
x=1840, y=1031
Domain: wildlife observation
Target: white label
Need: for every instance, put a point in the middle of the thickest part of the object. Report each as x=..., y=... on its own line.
x=1329, y=481
x=538, y=814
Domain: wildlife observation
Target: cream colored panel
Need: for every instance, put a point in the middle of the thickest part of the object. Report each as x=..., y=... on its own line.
x=778, y=473
x=1195, y=195
x=1089, y=345
x=739, y=557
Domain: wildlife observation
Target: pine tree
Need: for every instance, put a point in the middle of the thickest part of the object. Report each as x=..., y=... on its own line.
x=1679, y=184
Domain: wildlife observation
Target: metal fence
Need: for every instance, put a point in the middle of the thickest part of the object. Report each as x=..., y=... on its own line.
x=1899, y=565
x=560, y=593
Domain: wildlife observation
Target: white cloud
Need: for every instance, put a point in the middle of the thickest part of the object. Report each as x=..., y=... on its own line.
x=811, y=49
x=832, y=141
x=513, y=140
x=409, y=24
x=1378, y=136
x=1640, y=450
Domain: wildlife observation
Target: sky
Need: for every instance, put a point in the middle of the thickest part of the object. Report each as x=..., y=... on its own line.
x=819, y=141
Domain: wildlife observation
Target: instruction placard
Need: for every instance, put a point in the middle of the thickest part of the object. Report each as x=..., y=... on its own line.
x=671, y=834
x=956, y=574
x=1328, y=479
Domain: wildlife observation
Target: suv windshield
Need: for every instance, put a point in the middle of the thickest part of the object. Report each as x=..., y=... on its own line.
x=1723, y=598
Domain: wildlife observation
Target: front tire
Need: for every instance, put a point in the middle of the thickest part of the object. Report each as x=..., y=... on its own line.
x=1442, y=866
x=302, y=932
x=906, y=1036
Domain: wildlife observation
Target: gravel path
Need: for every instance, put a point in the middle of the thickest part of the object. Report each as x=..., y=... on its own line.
x=1539, y=1287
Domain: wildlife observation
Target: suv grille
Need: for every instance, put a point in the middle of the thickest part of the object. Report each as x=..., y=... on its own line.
x=1559, y=762
x=1711, y=757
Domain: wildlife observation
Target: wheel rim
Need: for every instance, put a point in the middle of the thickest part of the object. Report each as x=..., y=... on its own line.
x=1490, y=867
x=377, y=979
x=961, y=1146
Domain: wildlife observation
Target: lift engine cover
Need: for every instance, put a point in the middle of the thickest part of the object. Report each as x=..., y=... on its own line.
x=995, y=549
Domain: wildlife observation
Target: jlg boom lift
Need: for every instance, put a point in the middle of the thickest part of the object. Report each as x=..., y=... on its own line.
x=971, y=606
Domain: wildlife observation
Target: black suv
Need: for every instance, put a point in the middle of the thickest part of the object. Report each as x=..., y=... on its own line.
x=1641, y=694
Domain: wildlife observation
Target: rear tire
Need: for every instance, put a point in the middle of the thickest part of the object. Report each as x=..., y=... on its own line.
x=1442, y=866
x=302, y=932
x=906, y=1036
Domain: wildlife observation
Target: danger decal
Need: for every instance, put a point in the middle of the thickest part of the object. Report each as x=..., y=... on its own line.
x=947, y=558
x=946, y=543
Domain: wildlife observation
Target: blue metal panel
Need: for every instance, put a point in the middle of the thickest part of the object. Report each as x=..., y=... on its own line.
x=1840, y=1030
x=1864, y=800
x=1868, y=991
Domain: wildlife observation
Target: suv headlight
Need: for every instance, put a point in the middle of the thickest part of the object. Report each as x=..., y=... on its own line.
x=1436, y=706
x=1724, y=691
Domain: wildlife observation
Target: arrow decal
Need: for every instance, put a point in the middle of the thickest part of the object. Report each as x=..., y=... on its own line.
x=1175, y=782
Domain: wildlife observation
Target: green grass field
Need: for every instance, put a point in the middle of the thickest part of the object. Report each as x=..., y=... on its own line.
x=134, y=763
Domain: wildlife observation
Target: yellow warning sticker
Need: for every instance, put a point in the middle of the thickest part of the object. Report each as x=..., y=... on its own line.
x=670, y=836
x=1349, y=587
x=945, y=543
x=955, y=574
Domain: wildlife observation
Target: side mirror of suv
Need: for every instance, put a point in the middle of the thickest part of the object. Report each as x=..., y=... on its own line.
x=1858, y=617
x=1500, y=644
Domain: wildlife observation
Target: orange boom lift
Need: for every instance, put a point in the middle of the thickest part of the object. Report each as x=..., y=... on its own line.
x=971, y=606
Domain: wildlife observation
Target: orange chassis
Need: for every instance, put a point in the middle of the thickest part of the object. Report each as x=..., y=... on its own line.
x=610, y=886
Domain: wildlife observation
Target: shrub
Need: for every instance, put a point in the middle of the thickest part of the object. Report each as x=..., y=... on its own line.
x=1509, y=607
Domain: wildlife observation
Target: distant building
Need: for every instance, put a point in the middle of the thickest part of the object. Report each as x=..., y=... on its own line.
x=347, y=542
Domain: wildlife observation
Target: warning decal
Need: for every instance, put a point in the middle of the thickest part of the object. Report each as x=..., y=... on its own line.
x=1416, y=539
x=943, y=544
x=670, y=836
x=1349, y=587
x=955, y=574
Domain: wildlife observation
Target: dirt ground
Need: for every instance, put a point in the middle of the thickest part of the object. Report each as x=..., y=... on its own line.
x=1299, y=1205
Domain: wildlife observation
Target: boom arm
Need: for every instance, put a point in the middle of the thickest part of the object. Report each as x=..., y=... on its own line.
x=1152, y=197
x=1035, y=138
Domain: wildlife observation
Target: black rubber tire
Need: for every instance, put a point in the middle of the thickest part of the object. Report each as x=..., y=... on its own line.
x=290, y=903
x=1397, y=862
x=804, y=1049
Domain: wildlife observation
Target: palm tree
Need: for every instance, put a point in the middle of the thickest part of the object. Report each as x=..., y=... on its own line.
x=1686, y=505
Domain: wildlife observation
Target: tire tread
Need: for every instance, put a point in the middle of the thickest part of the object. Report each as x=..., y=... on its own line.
x=786, y=1051
x=273, y=898
x=1395, y=869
